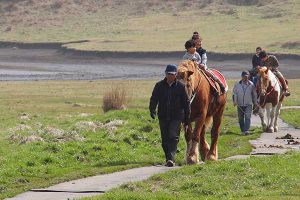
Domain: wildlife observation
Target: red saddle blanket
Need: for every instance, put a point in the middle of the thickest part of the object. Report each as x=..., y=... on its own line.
x=220, y=77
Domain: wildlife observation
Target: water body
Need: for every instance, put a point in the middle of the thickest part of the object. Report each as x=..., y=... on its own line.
x=51, y=64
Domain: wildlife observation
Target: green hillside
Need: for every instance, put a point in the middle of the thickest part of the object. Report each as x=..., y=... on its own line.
x=115, y=25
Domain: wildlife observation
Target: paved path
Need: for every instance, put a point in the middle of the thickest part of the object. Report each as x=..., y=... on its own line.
x=267, y=144
x=91, y=186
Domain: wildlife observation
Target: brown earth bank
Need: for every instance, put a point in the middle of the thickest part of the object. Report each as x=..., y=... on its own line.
x=53, y=61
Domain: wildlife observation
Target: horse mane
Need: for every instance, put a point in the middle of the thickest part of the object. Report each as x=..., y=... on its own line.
x=186, y=66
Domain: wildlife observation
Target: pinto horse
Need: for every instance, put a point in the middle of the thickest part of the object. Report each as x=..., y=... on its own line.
x=270, y=96
x=206, y=107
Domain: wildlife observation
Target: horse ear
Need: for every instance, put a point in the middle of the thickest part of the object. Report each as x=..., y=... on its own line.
x=190, y=73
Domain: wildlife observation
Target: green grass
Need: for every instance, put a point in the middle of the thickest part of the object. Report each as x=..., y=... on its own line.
x=292, y=116
x=275, y=177
x=59, y=105
x=164, y=26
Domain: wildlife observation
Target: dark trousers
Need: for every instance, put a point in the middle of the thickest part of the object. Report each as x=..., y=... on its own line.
x=170, y=132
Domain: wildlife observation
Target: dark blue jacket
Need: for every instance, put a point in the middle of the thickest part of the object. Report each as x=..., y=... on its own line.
x=173, y=101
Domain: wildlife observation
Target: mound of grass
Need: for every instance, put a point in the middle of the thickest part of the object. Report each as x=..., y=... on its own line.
x=275, y=177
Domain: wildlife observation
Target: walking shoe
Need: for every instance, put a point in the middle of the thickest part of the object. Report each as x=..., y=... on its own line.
x=246, y=133
x=170, y=163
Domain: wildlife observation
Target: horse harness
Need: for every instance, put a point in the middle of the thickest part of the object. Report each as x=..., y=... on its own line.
x=268, y=94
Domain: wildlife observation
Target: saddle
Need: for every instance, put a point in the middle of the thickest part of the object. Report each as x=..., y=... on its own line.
x=214, y=84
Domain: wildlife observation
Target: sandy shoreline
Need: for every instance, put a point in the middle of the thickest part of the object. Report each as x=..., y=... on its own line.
x=43, y=62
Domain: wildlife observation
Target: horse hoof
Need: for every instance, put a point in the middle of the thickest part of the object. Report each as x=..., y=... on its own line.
x=264, y=127
x=211, y=157
x=276, y=129
x=191, y=160
x=271, y=130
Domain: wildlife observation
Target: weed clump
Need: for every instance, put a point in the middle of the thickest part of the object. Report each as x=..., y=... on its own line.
x=115, y=99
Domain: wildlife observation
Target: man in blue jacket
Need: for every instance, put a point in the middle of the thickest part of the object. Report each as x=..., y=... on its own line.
x=244, y=97
x=172, y=99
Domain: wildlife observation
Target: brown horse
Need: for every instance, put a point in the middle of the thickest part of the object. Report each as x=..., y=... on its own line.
x=206, y=107
x=270, y=99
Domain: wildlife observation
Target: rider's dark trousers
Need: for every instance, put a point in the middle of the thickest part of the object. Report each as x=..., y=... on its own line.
x=170, y=131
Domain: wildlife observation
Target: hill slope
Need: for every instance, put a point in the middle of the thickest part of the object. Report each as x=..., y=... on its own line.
x=116, y=25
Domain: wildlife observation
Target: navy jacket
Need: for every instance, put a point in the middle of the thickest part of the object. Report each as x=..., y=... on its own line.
x=256, y=61
x=173, y=101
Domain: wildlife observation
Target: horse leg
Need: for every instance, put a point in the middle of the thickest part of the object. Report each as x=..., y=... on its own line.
x=276, y=116
x=204, y=147
x=268, y=115
x=188, y=138
x=272, y=116
x=262, y=118
x=215, y=132
x=193, y=156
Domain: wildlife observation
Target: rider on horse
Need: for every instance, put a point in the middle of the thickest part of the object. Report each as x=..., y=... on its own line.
x=271, y=62
x=191, y=54
x=256, y=63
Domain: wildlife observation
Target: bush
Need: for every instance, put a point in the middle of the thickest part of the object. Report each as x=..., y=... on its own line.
x=115, y=99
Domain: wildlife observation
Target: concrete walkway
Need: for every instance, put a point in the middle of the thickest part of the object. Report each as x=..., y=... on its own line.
x=270, y=143
x=91, y=186
x=267, y=144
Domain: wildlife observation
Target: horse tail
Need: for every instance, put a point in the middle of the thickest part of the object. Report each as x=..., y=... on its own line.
x=208, y=121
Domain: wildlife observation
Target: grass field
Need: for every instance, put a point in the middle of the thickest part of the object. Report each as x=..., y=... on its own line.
x=275, y=177
x=292, y=116
x=226, y=26
x=54, y=131
x=79, y=140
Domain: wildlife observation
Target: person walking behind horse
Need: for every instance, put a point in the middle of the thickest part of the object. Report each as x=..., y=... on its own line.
x=271, y=62
x=244, y=97
x=173, y=102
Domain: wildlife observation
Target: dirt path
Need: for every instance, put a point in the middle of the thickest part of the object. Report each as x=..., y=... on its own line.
x=267, y=144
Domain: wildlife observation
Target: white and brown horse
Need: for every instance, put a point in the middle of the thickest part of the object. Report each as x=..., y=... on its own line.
x=270, y=99
x=206, y=107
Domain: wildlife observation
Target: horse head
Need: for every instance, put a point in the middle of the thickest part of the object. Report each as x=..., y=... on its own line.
x=264, y=81
x=186, y=70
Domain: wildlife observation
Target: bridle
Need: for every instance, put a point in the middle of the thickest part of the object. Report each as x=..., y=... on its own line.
x=268, y=93
x=196, y=89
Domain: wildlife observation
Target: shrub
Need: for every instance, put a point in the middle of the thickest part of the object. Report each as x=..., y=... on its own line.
x=115, y=99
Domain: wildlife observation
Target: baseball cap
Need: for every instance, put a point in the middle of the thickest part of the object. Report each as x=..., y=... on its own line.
x=245, y=73
x=171, y=69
